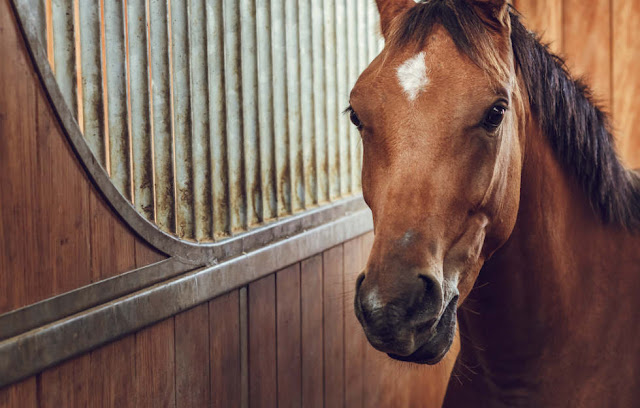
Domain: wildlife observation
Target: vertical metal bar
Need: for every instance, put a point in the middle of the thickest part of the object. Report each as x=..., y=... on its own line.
x=115, y=55
x=244, y=347
x=200, y=121
x=352, y=46
x=307, y=103
x=319, y=101
x=331, y=102
x=181, y=119
x=293, y=105
x=64, y=49
x=281, y=137
x=265, y=111
x=253, y=193
x=41, y=18
x=217, y=116
x=343, y=157
x=90, y=48
x=140, y=113
x=161, y=107
x=234, y=114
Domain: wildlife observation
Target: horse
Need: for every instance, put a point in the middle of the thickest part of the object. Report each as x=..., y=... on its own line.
x=501, y=213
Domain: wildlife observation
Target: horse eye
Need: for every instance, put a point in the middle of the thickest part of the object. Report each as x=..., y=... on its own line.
x=355, y=120
x=494, y=117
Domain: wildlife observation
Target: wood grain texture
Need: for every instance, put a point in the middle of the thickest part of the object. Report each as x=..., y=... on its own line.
x=224, y=343
x=192, y=358
x=57, y=233
x=66, y=385
x=288, y=341
x=20, y=395
x=262, y=343
x=354, y=338
x=113, y=245
x=155, y=365
x=545, y=18
x=113, y=369
x=312, y=332
x=587, y=43
x=626, y=79
x=333, y=307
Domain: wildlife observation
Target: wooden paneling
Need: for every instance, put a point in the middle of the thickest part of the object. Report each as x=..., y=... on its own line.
x=333, y=327
x=193, y=385
x=544, y=17
x=155, y=366
x=262, y=343
x=56, y=232
x=589, y=22
x=626, y=78
x=354, y=339
x=312, y=332
x=22, y=394
x=288, y=337
x=113, y=370
x=66, y=385
x=224, y=338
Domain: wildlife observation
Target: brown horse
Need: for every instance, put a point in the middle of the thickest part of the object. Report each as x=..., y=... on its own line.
x=486, y=165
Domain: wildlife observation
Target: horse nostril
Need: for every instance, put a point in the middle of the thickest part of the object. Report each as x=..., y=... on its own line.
x=359, y=281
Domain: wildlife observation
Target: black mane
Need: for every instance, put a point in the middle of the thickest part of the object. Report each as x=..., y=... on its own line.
x=577, y=128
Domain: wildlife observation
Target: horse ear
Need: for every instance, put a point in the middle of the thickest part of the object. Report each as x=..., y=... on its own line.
x=494, y=12
x=390, y=9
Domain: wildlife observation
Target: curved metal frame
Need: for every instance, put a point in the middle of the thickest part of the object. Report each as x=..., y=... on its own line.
x=187, y=251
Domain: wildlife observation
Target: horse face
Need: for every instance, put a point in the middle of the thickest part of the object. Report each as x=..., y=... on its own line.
x=441, y=174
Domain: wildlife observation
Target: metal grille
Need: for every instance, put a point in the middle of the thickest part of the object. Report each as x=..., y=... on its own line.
x=213, y=117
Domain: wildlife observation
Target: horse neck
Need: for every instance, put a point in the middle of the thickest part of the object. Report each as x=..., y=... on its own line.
x=561, y=281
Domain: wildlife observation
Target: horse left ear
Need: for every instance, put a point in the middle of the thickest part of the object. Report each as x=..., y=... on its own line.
x=494, y=12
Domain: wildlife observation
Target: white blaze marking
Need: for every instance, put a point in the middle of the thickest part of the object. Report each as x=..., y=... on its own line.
x=412, y=75
x=373, y=300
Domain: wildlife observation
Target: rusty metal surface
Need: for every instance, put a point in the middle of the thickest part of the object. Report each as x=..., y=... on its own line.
x=30, y=317
x=141, y=144
x=35, y=350
x=163, y=146
x=207, y=133
x=92, y=77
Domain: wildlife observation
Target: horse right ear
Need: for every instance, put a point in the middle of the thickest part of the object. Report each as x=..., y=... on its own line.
x=390, y=9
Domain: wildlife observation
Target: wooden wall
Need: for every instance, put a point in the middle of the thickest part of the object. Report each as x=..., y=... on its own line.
x=56, y=232
x=288, y=340
x=600, y=40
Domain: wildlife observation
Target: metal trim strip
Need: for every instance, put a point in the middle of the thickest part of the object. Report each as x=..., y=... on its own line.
x=43, y=347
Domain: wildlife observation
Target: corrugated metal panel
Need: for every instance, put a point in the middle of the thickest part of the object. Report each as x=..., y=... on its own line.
x=214, y=117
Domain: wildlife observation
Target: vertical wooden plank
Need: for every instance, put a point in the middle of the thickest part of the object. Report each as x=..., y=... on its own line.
x=333, y=327
x=65, y=385
x=192, y=358
x=64, y=222
x=146, y=254
x=312, y=332
x=545, y=18
x=155, y=366
x=262, y=343
x=112, y=245
x=18, y=201
x=20, y=395
x=626, y=81
x=587, y=42
x=354, y=339
x=224, y=343
x=288, y=353
x=113, y=369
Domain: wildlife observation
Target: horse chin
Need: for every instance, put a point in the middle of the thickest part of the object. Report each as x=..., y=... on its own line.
x=437, y=346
